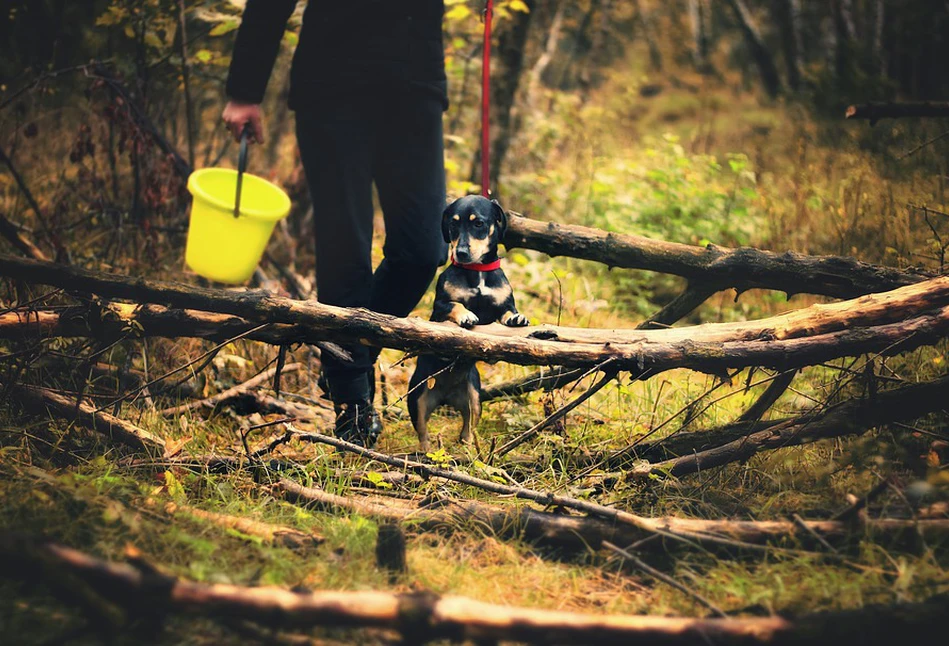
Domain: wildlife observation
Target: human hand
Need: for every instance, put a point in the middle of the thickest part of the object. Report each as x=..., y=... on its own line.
x=237, y=115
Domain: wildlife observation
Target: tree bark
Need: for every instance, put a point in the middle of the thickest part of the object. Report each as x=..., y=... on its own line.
x=684, y=531
x=712, y=266
x=572, y=533
x=892, y=322
x=759, y=51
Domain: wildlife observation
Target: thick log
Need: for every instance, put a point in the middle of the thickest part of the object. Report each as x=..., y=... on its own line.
x=876, y=111
x=424, y=616
x=116, y=320
x=743, y=269
x=110, y=426
x=849, y=418
x=892, y=322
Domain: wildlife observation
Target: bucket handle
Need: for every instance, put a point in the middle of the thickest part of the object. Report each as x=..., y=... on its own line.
x=241, y=167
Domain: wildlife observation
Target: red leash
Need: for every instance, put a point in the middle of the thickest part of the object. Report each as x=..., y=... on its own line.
x=486, y=99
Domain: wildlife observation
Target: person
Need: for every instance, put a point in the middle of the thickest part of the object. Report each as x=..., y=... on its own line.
x=368, y=90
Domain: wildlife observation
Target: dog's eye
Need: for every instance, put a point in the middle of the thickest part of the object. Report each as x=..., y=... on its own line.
x=478, y=224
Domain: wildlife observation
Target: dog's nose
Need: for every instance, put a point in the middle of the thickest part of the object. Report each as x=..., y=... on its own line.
x=462, y=255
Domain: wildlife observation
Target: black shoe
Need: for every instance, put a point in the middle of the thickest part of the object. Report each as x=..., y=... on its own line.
x=358, y=423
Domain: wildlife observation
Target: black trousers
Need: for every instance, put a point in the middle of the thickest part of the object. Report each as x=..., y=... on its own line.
x=347, y=143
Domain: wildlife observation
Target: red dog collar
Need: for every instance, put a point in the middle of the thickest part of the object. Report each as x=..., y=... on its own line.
x=474, y=266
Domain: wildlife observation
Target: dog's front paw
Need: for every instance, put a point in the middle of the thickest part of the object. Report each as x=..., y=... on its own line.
x=468, y=320
x=514, y=319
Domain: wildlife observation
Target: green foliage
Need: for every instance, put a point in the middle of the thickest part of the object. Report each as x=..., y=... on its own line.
x=675, y=196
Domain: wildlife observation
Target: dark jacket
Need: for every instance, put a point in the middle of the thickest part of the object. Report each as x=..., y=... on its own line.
x=344, y=46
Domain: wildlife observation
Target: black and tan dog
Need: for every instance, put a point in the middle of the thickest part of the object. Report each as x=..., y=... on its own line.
x=472, y=290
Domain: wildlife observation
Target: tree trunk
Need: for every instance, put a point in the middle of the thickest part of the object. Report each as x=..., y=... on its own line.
x=551, y=42
x=787, y=15
x=599, y=24
x=698, y=21
x=117, y=429
x=506, y=72
x=760, y=52
x=648, y=29
x=846, y=40
x=876, y=62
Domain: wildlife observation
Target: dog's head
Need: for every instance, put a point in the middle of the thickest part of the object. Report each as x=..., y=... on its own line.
x=473, y=226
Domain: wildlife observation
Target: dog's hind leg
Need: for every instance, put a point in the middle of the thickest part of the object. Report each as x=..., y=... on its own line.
x=471, y=415
x=423, y=410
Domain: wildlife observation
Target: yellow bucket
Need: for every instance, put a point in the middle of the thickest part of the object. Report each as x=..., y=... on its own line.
x=223, y=247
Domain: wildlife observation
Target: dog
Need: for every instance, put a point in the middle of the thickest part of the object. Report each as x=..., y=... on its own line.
x=472, y=290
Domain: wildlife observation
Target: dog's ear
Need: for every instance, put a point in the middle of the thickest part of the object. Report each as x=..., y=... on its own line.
x=500, y=216
x=446, y=217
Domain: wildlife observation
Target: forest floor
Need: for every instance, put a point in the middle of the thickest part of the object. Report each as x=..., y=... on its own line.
x=691, y=166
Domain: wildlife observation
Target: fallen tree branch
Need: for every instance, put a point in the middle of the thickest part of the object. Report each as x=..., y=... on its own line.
x=895, y=321
x=247, y=386
x=715, y=268
x=876, y=111
x=608, y=376
x=740, y=534
x=582, y=533
x=679, y=307
x=849, y=418
x=116, y=429
x=772, y=393
x=549, y=379
x=668, y=580
x=274, y=534
x=424, y=616
x=12, y=234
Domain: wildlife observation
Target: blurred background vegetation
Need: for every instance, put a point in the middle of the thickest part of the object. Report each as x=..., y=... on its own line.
x=690, y=120
x=694, y=121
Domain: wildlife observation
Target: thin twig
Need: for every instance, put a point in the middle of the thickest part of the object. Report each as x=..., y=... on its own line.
x=923, y=145
x=210, y=352
x=546, y=498
x=555, y=416
x=820, y=539
x=665, y=578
